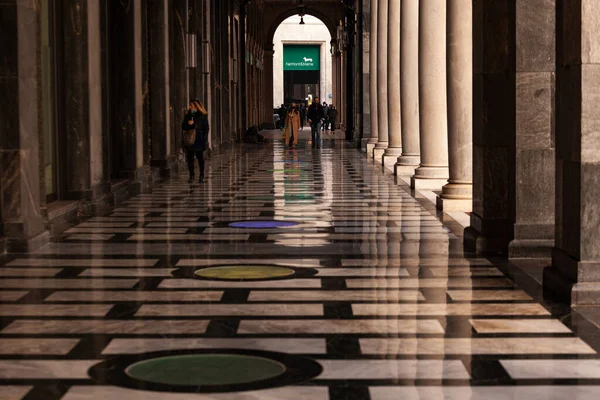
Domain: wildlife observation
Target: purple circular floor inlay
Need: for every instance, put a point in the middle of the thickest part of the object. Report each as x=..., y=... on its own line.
x=263, y=224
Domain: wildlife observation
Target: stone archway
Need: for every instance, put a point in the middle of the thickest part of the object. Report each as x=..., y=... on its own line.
x=328, y=12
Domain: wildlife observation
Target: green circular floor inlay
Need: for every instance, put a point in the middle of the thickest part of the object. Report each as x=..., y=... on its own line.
x=241, y=272
x=205, y=369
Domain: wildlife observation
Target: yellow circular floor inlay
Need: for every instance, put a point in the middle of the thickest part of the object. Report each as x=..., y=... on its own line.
x=242, y=272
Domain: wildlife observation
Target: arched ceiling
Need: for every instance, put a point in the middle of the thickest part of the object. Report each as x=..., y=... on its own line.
x=277, y=11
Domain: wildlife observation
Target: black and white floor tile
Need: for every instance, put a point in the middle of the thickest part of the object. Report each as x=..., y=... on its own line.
x=380, y=295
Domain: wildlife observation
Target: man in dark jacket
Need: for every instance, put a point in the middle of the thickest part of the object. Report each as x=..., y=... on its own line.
x=315, y=117
x=282, y=113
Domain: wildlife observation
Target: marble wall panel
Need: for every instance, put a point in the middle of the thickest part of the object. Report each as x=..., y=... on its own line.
x=535, y=35
x=535, y=189
x=535, y=110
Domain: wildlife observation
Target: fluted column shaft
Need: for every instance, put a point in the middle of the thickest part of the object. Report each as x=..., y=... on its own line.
x=393, y=84
x=433, y=170
x=409, y=88
x=373, y=71
x=460, y=99
x=382, y=93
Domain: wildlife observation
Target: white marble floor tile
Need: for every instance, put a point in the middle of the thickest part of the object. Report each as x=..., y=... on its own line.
x=201, y=262
x=492, y=309
x=466, y=272
x=552, y=369
x=427, y=283
x=117, y=393
x=413, y=262
x=474, y=295
x=204, y=237
x=45, y=369
x=35, y=346
x=393, y=369
x=434, y=346
x=116, y=327
x=129, y=272
x=178, y=310
x=519, y=326
x=82, y=262
x=391, y=272
x=91, y=236
x=54, y=310
x=341, y=326
x=166, y=296
x=12, y=295
x=295, y=345
x=536, y=392
x=205, y=284
x=128, y=230
x=51, y=283
x=14, y=392
x=336, y=295
x=29, y=271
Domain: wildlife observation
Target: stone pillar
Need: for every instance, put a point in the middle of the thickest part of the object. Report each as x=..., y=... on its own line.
x=433, y=170
x=126, y=125
x=409, y=89
x=394, y=149
x=160, y=123
x=83, y=100
x=457, y=194
x=575, y=270
x=535, y=144
x=493, y=127
x=180, y=95
x=268, y=87
x=382, y=91
x=373, y=81
x=21, y=221
x=364, y=59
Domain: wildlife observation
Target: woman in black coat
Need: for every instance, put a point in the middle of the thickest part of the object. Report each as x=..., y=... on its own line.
x=196, y=118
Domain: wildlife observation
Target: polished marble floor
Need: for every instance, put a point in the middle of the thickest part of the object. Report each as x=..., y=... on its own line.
x=379, y=294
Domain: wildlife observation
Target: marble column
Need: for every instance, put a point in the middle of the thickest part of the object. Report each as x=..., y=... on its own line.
x=160, y=85
x=394, y=149
x=457, y=194
x=373, y=81
x=83, y=100
x=575, y=270
x=433, y=169
x=409, y=89
x=364, y=88
x=535, y=153
x=126, y=108
x=21, y=221
x=382, y=91
x=268, y=87
x=179, y=96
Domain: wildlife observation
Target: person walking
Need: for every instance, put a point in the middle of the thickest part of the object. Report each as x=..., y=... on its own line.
x=325, y=127
x=282, y=113
x=333, y=116
x=302, y=116
x=292, y=126
x=196, y=118
x=315, y=117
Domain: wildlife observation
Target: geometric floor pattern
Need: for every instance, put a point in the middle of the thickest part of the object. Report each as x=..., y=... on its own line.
x=380, y=294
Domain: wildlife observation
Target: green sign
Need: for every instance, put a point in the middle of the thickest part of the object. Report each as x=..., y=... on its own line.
x=301, y=58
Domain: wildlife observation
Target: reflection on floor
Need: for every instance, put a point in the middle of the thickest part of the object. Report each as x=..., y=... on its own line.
x=372, y=297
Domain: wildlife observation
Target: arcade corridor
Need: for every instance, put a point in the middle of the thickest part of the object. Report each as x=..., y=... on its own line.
x=351, y=288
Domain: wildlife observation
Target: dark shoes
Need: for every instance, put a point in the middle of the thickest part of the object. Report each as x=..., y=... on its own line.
x=191, y=180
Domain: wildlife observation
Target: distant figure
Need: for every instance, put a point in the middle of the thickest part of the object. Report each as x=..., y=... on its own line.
x=315, y=117
x=282, y=113
x=333, y=116
x=326, y=112
x=302, y=115
x=292, y=126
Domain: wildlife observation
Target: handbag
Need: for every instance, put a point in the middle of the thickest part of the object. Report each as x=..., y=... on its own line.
x=189, y=137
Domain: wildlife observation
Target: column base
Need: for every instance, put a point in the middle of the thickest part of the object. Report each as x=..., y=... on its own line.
x=427, y=183
x=475, y=242
x=404, y=170
x=444, y=204
x=370, y=147
x=378, y=153
x=363, y=145
x=27, y=245
x=528, y=248
x=389, y=160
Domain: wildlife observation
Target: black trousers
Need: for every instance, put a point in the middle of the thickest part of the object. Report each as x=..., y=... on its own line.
x=190, y=161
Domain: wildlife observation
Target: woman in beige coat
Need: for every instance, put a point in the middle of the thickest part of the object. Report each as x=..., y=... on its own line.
x=292, y=126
